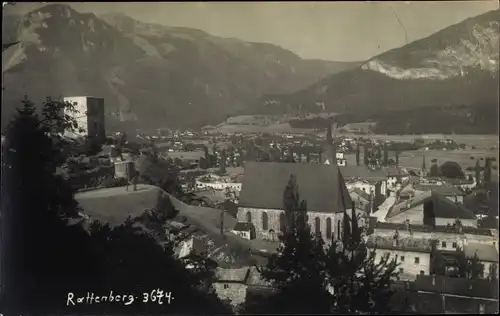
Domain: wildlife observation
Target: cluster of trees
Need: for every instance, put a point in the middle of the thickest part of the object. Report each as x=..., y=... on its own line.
x=48, y=253
x=311, y=277
x=464, y=267
x=373, y=156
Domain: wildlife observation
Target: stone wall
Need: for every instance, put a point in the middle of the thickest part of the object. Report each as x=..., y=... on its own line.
x=274, y=226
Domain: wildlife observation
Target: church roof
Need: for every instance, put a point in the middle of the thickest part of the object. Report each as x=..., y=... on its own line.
x=264, y=184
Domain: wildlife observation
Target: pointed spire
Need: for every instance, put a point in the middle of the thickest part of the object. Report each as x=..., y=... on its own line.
x=329, y=138
x=423, y=163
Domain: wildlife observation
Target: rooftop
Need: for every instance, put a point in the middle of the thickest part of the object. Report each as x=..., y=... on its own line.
x=484, y=252
x=457, y=286
x=428, y=229
x=442, y=206
x=320, y=185
x=443, y=189
x=239, y=275
x=403, y=244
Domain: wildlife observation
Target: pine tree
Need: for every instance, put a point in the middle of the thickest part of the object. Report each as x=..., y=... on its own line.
x=386, y=155
x=297, y=271
x=222, y=165
x=46, y=258
x=366, y=157
x=357, y=154
x=359, y=284
x=487, y=171
x=475, y=269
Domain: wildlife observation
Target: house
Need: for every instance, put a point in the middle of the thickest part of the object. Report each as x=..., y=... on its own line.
x=361, y=176
x=487, y=256
x=412, y=255
x=431, y=207
x=231, y=285
x=361, y=199
x=450, y=192
x=448, y=238
x=245, y=230
x=239, y=285
x=460, y=295
x=215, y=182
x=395, y=173
x=89, y=116
x=321, y=186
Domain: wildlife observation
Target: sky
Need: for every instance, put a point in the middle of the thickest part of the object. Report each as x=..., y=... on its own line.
x=339, y=31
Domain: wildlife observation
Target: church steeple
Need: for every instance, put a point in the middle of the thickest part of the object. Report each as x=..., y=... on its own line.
x=330, y=156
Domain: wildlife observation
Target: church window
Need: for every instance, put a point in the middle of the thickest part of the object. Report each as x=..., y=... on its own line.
x=249, y=217
x=328, y=228
x=282, y=222
x=317, y=225
x=338, y=229
x=265, y=221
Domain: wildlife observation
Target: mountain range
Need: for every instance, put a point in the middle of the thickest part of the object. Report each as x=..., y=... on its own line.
x=454, y=67
x=164, y=76
x=155, y=74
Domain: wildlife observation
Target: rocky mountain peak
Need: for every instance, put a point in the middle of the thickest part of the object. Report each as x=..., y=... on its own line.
x=452, y=52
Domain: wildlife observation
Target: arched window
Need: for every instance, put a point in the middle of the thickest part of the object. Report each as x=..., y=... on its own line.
x=249, y=217
x=265, y=221
x=317, y=229
x=282, y=222
x=329, y=228
x=338, y=229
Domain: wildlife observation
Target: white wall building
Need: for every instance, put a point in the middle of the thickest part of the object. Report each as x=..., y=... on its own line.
x=412, y=255
x=89, y=116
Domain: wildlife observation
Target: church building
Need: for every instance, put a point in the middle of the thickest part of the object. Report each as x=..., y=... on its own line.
x=322, y=186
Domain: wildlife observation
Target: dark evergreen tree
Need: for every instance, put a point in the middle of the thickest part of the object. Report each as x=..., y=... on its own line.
x=297, y=271
x=397, y=158
x=222, y=164
x=386, y=155
x=308, y=156
x=487, y=171
x=42, y=257
x=366, y=157
x=357, y=154
x=359, y=284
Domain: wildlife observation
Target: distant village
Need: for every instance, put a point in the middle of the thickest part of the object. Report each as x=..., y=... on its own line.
x=228, y=191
